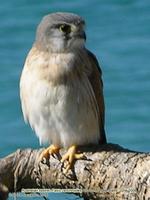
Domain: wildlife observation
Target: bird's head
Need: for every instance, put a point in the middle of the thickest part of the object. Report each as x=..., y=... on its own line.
x=61, y=32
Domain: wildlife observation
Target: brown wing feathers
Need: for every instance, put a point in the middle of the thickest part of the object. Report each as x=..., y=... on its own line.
x=97, y=86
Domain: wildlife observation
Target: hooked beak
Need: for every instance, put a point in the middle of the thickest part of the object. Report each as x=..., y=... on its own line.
x=83, y=35
x=80, y=35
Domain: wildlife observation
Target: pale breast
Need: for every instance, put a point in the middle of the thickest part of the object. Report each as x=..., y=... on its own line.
x=63, y=111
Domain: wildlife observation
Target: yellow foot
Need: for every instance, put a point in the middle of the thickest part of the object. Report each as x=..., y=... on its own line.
x=71, y=156
x=51, y=150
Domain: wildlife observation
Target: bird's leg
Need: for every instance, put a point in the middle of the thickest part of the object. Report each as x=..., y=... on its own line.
x=71, y=156
x=51, y=150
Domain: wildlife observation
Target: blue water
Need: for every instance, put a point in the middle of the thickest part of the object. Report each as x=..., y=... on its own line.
x=118, y=32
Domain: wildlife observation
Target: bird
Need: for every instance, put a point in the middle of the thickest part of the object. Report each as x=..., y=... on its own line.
x=61, y=88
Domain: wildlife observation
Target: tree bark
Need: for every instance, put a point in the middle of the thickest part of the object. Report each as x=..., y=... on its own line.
x=107, y=172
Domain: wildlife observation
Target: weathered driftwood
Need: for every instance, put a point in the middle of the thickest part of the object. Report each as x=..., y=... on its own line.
x=108, y=172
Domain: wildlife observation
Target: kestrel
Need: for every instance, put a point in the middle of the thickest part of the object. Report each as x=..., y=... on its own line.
x=61, y=88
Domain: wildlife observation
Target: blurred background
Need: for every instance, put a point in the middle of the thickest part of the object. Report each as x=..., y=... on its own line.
x=118, y=33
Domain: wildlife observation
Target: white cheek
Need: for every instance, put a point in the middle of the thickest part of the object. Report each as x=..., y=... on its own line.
x=57, y=44
x=60, y=45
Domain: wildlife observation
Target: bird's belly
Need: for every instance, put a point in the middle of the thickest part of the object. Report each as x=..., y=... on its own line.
x=63, y=114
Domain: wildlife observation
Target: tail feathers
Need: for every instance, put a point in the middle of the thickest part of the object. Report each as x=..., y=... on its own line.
x=103, y=139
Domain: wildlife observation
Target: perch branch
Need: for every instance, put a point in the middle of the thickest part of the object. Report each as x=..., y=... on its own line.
x=108, y=172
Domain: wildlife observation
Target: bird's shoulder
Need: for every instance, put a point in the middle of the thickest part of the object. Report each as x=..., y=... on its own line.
x=36, y=58
x=96, y=73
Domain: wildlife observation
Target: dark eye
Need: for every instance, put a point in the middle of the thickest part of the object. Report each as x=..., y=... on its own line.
x=65, y=28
